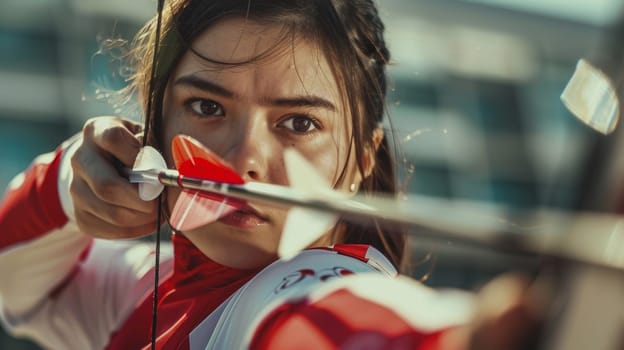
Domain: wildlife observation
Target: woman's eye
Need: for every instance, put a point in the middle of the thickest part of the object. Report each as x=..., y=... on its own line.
x=204, y=107
x=300, y=124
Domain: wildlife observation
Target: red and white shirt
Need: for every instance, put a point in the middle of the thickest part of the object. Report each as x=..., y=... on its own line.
x=66, y=290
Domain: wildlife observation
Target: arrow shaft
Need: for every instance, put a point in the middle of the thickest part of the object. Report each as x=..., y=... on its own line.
x=590, y=238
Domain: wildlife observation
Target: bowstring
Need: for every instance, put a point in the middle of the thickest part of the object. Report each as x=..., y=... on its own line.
x=148, y=117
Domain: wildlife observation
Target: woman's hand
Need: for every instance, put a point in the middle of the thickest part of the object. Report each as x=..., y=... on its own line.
x=510, y=314
x=106, y=205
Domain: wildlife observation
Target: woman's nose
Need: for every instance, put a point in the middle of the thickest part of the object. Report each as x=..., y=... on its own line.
x=250, y=153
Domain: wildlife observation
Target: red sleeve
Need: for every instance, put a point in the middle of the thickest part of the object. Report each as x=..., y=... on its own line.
x=342, y=320
x=31, y=208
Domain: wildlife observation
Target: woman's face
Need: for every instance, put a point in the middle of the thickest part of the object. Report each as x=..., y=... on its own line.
x=249, y=114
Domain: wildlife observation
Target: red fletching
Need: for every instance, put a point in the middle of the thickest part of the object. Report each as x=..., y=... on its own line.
x=192, y=159
x=195, y=209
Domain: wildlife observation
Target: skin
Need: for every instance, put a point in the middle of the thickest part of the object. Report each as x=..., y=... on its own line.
x=106, y=205
x=249, y=115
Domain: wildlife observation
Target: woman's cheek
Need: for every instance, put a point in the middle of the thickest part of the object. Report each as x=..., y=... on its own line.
x=327, y=164
x=172, y=197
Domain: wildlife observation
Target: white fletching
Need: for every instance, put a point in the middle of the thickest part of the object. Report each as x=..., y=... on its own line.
x=304, y=226
x=303, y=176
x=149, y=159
x=590, y=96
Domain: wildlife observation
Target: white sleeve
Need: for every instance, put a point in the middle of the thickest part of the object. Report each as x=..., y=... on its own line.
x=356, y=287
x=95, y=302
x=31, y=269
x=283, y=280
x=49, y=295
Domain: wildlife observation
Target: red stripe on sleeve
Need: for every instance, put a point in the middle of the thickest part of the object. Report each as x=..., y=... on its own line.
x=357, y=251
x=340, y=320
x=34, y=207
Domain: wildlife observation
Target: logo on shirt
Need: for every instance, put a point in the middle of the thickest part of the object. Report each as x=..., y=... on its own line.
x=309, y=274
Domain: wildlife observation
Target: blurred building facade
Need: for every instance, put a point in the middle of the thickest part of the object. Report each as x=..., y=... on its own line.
x=473, y=96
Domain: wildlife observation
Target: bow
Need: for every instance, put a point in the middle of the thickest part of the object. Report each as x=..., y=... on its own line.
x=148, y=116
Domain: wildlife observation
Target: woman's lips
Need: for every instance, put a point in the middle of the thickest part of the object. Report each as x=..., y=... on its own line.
x=244, y=218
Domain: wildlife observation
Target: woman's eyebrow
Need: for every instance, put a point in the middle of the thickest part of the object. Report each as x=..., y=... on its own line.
x=295, y=101
x=205, y=85
x=302, y=101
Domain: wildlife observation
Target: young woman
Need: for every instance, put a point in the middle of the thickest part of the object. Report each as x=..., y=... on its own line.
x=248, y=79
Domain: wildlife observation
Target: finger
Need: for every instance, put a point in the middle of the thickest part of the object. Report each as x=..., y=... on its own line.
x=87, y=201
x=120, y=142
x=106, y=183
x=140, y=136
x=502, y=293
x=134, y=127
x=94, y=226
x=504, y=319
x=513, y=328
x=114, y=137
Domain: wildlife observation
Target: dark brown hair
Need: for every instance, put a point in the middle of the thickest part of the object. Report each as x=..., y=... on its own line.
x=350, y=35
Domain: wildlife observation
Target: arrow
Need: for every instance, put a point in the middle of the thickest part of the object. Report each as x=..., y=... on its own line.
x=593, y=238
x=211, y=189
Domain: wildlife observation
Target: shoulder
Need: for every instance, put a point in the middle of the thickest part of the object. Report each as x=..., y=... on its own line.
x=364, y=311
x=315, y=267
x=284, y=281
x=344, y=295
